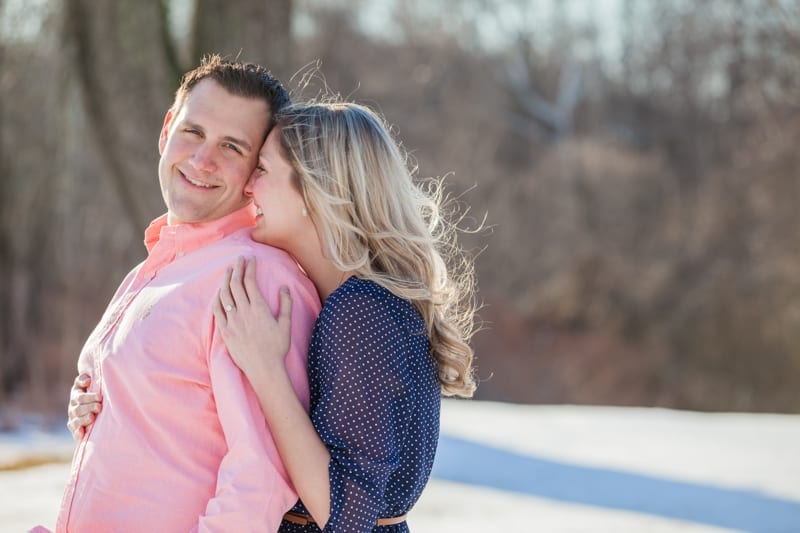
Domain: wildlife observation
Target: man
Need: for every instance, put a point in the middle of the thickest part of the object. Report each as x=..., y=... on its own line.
x=181, y=443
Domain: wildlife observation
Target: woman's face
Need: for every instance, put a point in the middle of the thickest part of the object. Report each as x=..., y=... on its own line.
x=279, y=205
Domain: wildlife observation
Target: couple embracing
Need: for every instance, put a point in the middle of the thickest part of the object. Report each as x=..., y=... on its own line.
x=277, y=361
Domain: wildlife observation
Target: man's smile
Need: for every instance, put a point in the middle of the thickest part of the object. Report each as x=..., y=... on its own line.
x=195, y=182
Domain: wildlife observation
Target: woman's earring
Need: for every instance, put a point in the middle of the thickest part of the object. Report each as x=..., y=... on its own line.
x=305, y=212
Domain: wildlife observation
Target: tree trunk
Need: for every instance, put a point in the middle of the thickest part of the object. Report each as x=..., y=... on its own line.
x=256, y=31
x=121, y=59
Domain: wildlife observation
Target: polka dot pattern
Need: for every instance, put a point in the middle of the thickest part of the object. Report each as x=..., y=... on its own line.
x=375, y=402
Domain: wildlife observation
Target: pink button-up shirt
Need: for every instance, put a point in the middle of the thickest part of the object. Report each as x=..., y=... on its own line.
x=182, y=443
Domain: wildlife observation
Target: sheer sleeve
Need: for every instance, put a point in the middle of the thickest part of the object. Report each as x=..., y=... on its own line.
x=362, y=411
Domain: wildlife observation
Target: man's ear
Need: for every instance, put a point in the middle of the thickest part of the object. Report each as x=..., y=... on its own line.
x=162, y=138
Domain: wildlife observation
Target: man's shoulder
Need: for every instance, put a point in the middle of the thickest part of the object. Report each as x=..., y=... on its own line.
x=241, y=243
x=273, y=264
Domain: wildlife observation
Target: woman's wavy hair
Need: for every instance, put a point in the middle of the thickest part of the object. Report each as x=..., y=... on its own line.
x=374, y=220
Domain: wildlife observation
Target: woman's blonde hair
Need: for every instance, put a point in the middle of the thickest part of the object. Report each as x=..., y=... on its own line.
x=375, y=221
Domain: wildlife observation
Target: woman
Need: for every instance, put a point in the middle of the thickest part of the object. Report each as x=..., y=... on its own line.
x=333, y=189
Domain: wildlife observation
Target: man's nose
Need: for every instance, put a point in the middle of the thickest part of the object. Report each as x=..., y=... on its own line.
x=203, y=158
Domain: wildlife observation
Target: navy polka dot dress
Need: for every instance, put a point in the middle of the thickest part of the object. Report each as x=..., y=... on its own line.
x=375, y=402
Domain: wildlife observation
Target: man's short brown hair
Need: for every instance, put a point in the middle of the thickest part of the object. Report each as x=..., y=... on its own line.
x=241, y=79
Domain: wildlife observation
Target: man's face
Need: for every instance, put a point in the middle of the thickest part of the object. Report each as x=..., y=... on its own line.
x=208, y=151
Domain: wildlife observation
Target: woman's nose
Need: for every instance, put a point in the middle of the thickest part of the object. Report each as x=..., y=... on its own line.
x=248, y=187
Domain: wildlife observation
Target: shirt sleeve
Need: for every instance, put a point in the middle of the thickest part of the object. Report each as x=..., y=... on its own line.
x=362, y=409
x=253, y=489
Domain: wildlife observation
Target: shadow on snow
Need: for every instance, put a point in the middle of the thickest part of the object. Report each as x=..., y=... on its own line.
x=470, y=462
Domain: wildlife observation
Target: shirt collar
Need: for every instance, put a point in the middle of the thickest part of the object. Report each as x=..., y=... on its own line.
x=196, y=235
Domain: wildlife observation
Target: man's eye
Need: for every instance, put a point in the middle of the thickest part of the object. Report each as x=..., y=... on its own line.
x=234, y=148
x=191, y=131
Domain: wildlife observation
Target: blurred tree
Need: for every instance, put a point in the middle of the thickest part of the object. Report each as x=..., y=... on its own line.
x=130, y=39
x=6, y=334
x=257, y=31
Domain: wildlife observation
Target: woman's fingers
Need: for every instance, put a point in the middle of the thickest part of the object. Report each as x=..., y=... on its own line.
x=89, y=398
x=285, y=313
x=240, y=303
x=79, y=398
x=76, y=429
x=77, y=409
x=84, y=409
x=77, y=425
x=238, y=291
x=82, y=382
x=250, y=283
x=219, y=310
x=225, y=296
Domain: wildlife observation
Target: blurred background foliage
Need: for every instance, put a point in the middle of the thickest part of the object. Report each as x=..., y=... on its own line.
x=636, y=161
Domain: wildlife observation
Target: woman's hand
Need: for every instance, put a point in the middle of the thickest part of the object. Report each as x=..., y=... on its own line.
x=83, y=406
x=256, y=339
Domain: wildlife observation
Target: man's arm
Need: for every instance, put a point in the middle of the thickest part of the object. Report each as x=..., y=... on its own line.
x=253, y=489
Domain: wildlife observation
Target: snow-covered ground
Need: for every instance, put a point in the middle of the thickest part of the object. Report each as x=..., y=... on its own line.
x=511, y=468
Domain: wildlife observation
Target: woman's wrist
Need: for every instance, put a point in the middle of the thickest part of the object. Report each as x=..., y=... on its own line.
x=269, y=374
